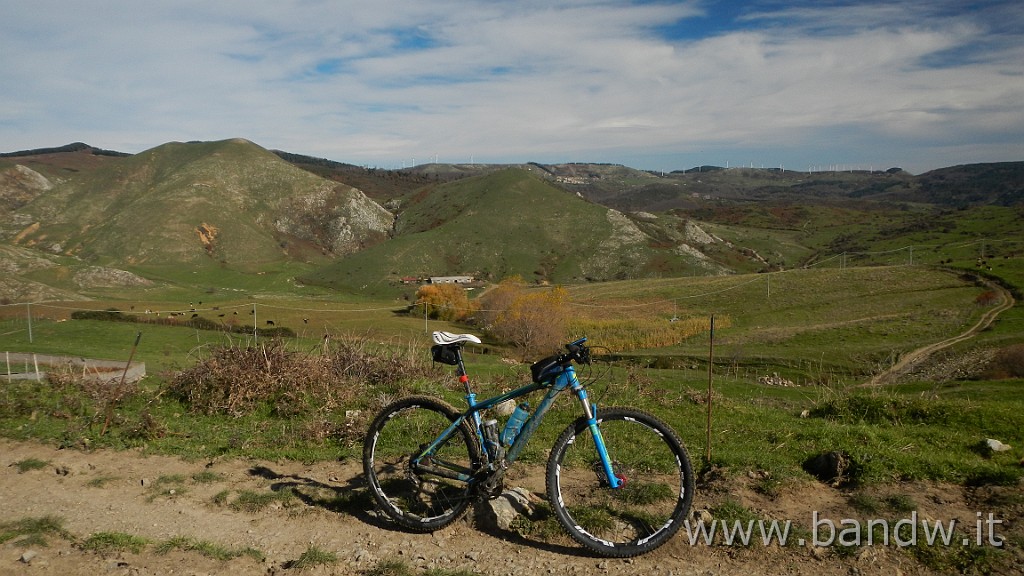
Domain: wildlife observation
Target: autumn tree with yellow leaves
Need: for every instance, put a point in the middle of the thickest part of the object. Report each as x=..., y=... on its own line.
x=533, y=320
x=444, y=302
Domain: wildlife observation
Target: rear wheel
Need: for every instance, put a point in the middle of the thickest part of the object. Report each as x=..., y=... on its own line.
x=418, y=494
x=657, y=483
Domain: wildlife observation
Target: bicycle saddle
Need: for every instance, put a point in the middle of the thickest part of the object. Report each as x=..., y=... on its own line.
x=449, y=338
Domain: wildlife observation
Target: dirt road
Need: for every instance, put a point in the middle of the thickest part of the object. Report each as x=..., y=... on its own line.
x=914, y=357
x=159, y=498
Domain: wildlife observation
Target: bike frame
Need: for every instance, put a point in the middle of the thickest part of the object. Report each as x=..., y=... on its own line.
x=565, y=380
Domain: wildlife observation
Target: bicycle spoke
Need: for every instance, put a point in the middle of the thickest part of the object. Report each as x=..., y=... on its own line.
x=656, y=492
x=419, y=497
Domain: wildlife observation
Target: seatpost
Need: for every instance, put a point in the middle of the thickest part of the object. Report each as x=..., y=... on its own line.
x=461, y=369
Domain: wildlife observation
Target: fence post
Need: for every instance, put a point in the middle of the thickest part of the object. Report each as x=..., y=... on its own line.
x=711, y=361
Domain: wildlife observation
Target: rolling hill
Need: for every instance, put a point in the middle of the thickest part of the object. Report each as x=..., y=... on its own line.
x=505, y=223
x=233, y=206
x=228, y=202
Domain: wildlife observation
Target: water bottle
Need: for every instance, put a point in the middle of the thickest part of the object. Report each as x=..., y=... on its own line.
x=515, y=423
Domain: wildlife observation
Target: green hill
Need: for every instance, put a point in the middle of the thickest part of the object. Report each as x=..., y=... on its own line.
x=230, y=202
x=210, y=213
x=510, y=222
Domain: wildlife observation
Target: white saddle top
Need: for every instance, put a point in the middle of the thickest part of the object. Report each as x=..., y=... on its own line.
x=449, y=338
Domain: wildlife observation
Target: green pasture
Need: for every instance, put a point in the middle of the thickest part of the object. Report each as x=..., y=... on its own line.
x=835, y=326
x=823, y=329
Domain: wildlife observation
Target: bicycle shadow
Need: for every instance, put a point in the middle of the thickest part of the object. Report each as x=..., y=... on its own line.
x=350, y=496
x=484, y=521
x=342, y=496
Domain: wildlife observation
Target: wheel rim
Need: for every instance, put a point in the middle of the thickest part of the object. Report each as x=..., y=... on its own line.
x=641, y=514
x=417, y=499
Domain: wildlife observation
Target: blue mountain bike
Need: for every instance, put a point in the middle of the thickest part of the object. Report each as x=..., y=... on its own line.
x=619, y=480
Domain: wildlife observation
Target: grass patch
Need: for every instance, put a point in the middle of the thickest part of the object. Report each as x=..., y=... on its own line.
x=731, y=511
x=252, y=502
x=865, y=503
x=100, y=481
x=206, y=548
x=167, y=486
x=106, y=542
x=33, y=530
x=901, y=503
x=542, y=525
x=390, y=568
x=969, y=559
x=642, y=493
x=29, y=464
x=314, y=556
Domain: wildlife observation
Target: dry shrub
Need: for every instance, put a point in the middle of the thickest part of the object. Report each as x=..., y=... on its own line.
x=1008, y=362
x=534, y=321
x=236, y=380
x=101, y=392
x=987, y=298
x=80, y=395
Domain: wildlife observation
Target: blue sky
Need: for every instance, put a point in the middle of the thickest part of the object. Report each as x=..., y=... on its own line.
x=653, y=85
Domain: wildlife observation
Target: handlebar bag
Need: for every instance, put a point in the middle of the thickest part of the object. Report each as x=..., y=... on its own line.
x=545, y=368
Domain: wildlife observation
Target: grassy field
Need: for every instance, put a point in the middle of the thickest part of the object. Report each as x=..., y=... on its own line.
x=823, y=329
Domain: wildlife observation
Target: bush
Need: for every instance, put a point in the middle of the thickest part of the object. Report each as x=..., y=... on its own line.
x=882, y=409
x=236, y=380
x=444, y=302
x=108, y=315
x=1007, y=363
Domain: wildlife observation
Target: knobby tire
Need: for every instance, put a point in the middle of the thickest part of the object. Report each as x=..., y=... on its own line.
x=638, y=517
x=412, y=497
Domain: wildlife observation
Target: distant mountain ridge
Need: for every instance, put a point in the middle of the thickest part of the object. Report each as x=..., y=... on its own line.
x=73, y=147
x=236, y=205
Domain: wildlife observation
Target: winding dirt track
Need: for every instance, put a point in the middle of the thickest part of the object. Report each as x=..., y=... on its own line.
x=910, y=359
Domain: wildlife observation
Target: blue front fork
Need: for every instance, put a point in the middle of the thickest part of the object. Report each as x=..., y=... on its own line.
x=590, y=410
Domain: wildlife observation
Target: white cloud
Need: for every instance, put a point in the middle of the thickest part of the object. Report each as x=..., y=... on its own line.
x=921, y=85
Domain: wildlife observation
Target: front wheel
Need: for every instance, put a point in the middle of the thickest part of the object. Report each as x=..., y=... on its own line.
x=656, y=479
x=420, y=489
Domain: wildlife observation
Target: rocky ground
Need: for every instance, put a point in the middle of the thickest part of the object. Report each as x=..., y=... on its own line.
x=161, y=499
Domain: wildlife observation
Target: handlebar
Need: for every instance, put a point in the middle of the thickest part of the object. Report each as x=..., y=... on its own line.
x=577, y=352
